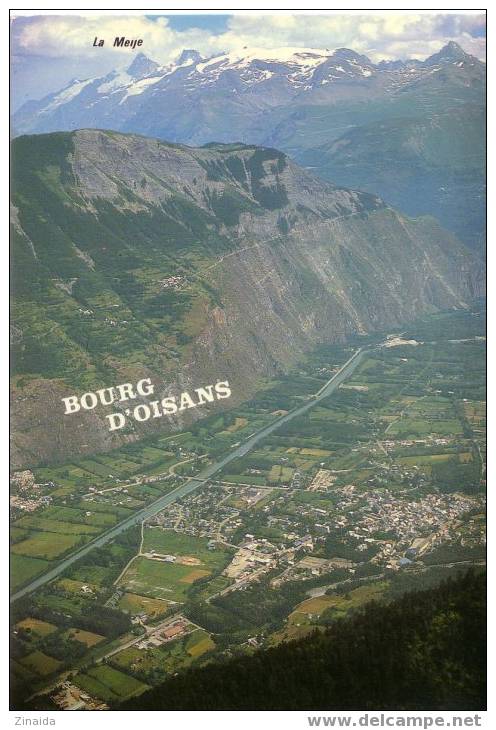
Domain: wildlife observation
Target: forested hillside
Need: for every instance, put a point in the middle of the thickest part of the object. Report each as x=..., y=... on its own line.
x=425, y=651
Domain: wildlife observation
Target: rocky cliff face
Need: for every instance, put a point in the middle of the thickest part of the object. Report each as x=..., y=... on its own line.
x=245, y=95
x=412, y=131
x=134, y=258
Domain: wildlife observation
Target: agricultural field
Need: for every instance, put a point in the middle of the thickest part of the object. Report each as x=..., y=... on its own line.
x=39, y=663
x=337, y=605
x=46, y=546
x=402, y=443
x=23, y=568
x=37, y=626
x=169, y=581
x=184, y=547
x=426, y=415
x=312, y=613
x=199, y=643
x=88, y=638
x=108, y=684
x=139, y=662
x=135, y=604
x=151, y=665
x=74, y=586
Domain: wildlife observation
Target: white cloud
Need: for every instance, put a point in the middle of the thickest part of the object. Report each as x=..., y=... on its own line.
x=48, y=50
x=379, y=35
x=61, y=36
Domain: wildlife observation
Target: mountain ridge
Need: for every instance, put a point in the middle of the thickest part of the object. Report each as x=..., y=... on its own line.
x=297, y=65
x=303, y=101
x=135, y=258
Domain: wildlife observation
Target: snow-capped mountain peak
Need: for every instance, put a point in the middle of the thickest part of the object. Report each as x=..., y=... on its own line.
x=145, y=94
x=65, y=95
x=450, y=53
x=346, y=54
x=188, y=57
x=294, y=56
x=142, y=66
x=291, y=66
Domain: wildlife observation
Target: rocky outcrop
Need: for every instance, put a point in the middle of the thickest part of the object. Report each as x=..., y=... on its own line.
x=193, y=265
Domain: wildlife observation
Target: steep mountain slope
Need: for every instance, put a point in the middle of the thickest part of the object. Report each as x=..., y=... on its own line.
x=157, y=100
x=425, y=651
x=134, y=258
x=302, y=101
x=412, y=161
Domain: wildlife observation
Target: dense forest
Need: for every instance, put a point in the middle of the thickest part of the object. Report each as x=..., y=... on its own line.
x=424, y=651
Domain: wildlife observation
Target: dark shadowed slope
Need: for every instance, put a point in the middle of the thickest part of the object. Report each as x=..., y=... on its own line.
x=426, y=651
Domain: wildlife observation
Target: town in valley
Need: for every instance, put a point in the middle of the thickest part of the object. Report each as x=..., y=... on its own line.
x=374, y=490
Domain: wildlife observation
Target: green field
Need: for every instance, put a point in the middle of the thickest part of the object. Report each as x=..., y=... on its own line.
x=169, y=542
x=38, y=627
x=198, y=643
x=72, y=586
x=40, y=663
x=23, y=568
x=46, y=525
x=153, y=663
x=88, y=638
x=135, y=604
x=280, y=474
x=45, y=545
x=414, y=428
x=161, y=580
x=108, y=684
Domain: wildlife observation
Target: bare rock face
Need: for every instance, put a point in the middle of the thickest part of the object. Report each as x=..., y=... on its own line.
x=190, y=266
x=412, y=132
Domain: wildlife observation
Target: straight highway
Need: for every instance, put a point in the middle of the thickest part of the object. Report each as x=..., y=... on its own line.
x=195, y=482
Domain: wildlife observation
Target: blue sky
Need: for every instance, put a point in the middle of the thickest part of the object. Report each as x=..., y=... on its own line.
x=214, y=23
x=48, y=51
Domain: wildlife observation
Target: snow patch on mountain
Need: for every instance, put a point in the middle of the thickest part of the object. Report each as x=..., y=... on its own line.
x=117, y=81
x=278, y=75
x=67, y=94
